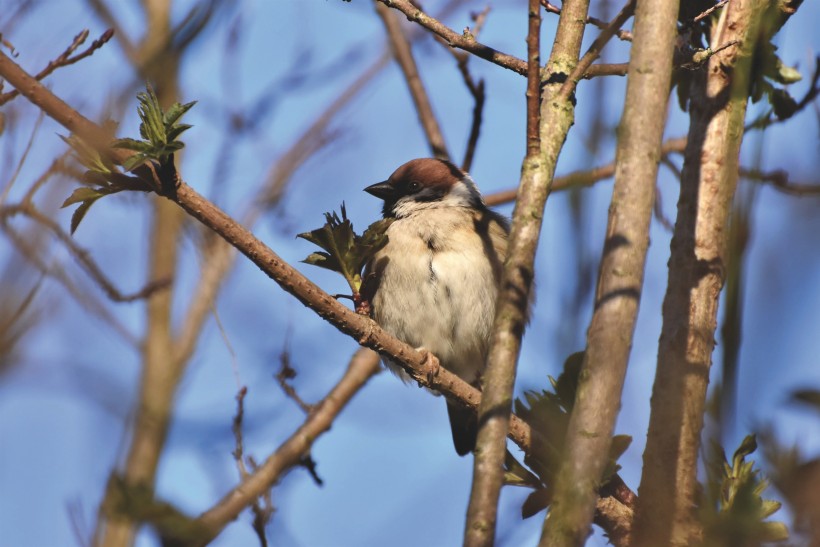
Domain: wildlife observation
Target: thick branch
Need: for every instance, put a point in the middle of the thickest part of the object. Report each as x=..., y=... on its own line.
x=669, y=489
x=511, y=316
x=620, y=277
x=556, y=117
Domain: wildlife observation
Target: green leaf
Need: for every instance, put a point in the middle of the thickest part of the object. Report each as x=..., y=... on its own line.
x=345, y=251
x=567, y=384
x=83, y=193
x=734, y=510
x=159, y=130
x=516, y=474
x=134, y=161
x=746, y=447
x=774, y=531
x=323, y=260
x=785, y=74
x=132, y=144
x=79, y=214
x=176, y=112
x=88, y=156
x=176, y=131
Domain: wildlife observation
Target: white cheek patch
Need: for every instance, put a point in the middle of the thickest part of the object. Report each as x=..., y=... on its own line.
x=464, y=193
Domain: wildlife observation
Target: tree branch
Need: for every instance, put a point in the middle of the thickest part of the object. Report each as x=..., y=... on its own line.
x=556, y=118
x=363, y=366
x=462, y=41
x=620, y=278
x=400, y=46
x=65, y=59
x=665, y=512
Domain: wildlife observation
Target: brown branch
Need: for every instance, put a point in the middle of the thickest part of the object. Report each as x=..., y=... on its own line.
x=100, y=7
x=65, y=59
x=707, y=12
x=511, y=312
x=400, y=46
x=476, y=89
x=580, y=179
x=779, y=180
x=462, y=41
x=620, y=276
x=666, y=509
x=86, y=301
x=363, y=366
x=624, y=35
x=220, y=257
x=81, y=255
x=285, y=374
x=261, y=514
x=595, y=49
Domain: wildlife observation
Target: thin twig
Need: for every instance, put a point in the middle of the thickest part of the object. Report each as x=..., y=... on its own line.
x=779, y=180
x=624, y=35
x=595, y=49
x=81, y=255
x=462, y=41
x=85, y=300
x=363, y=366
x=65, y=59
x=23, y=157
x=580, y=179
x=400, y=46
x=261, y=515
x=287, y=373
x=476, y=89
x=707, y=12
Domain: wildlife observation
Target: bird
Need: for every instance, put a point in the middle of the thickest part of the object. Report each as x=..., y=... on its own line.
x=434, y=284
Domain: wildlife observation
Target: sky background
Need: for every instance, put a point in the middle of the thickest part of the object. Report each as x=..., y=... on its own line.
x=389, y=470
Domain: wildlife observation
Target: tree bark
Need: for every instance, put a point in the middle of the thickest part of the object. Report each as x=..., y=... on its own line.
x=667, y=500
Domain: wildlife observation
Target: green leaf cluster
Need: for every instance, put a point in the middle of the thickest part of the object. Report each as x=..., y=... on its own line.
x=548, y=413
x=344, y=251
x=159, y=131
x=734, y=509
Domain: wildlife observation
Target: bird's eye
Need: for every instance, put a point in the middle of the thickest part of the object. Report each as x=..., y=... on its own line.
x=413, y=186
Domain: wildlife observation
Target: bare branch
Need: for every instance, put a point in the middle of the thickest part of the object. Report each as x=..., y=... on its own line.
x=595, y=49
x=81, y=255
x=347, y=321
x=669, y=488
x=462, y=41
x=404, y=57
x=620, y=277
x=624, y=35
x=580, y=179
x=65, y=59
x=285, y=374
x=363, y=366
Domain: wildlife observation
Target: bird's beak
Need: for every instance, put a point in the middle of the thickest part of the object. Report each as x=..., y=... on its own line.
x=382, y=190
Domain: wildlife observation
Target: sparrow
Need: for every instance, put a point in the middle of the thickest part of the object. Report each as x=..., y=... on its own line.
x=434, y=284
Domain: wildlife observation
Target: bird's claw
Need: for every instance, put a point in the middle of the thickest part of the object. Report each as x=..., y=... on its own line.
x=431, y=365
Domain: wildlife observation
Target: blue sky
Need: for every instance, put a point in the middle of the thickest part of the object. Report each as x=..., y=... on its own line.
x=390, y=474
